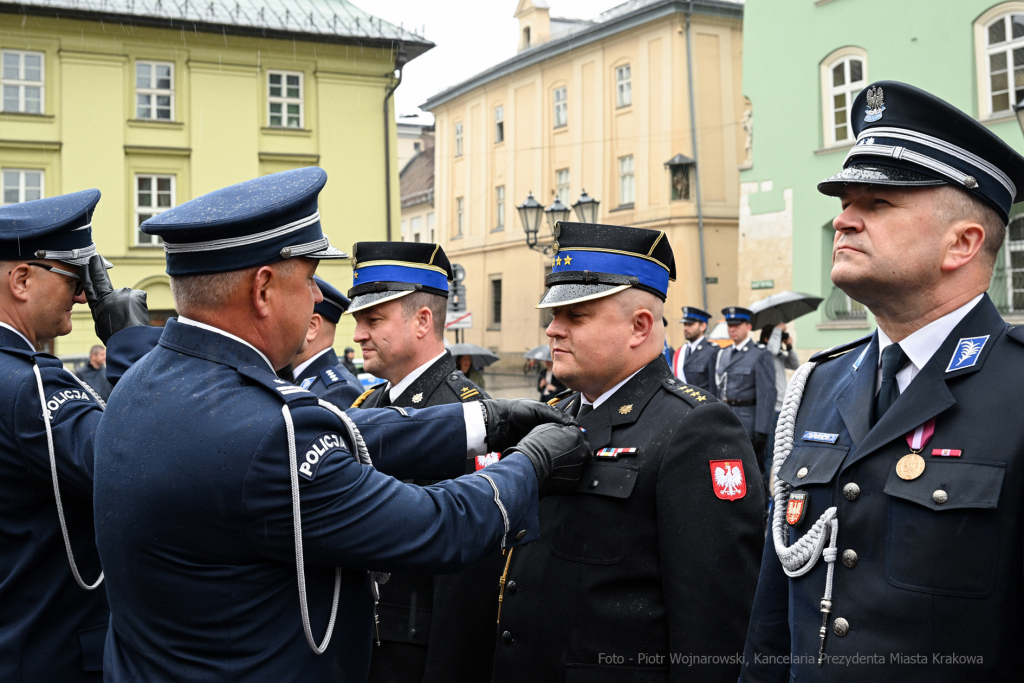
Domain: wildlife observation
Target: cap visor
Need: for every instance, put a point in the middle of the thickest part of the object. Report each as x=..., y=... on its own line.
x=876, y=174
x=563, y=295
x=328, y=253
x=366, y=300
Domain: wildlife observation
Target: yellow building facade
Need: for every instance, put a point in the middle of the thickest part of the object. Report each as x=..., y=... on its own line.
x=599, y=106
x=155, y=110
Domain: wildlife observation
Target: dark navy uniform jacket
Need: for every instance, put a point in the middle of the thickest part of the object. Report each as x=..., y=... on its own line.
x=749, y=376
x=50, y=628
x=936, y=590
x=699, y=366
x=194, y=515
x=327, y=378
x=644, y=559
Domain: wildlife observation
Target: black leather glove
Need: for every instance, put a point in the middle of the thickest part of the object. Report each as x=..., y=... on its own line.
x=558, y=454
x=759, y=442
x=509, y=420
x=112, y=310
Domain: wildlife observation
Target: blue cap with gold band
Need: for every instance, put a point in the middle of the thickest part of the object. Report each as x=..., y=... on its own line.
x=592, y=261
x=255, y=223
x=907, y=137
x=384, y=271
x=692, y=314
x=736, y=314
x=57, y=228
x=334, y=304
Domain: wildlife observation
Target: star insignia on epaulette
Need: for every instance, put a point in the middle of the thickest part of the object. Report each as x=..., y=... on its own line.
x=702, y=398
x=625, y=409
x=417, y=398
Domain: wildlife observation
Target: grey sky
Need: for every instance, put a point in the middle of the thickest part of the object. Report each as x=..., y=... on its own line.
x=471, y=35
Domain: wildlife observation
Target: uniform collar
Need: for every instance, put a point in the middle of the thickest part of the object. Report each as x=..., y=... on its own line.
x=693, y=345
x=18, y=334
x=608, y=394
x=306, y=363
x=624, y=404
x=739, y=347
x=396, y=391
x=921, y=345
x=205, y=341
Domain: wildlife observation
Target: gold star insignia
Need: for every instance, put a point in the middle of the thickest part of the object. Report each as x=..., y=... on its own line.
x=702, y=398
x=355, y=275
x=558, y=261
x=625, y=409
x=567, y=260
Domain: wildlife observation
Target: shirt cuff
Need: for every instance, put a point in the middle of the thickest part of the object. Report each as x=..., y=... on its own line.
x=476, y=431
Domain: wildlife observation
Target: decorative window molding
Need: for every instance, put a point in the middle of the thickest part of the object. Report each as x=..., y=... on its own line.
x=623, y=86
x=562, y=185
x=844, y=73
x=285, y=99
x=21, y=185
x=22, y=82
x=999, y=59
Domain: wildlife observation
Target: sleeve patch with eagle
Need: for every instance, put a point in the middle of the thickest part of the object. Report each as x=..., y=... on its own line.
x=727, y=479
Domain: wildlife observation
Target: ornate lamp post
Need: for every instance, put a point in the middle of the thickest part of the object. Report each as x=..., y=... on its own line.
x=586, y=208
x=529, y=214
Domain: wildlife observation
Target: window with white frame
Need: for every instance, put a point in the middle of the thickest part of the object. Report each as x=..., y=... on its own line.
x=627, y=186
x=1004, y=55
x=416, y=224
x=21, y=78
x=430, y=226
x=284, y=99
x=458, y=139
x=561, y=107
x=499, y=194
x=153, y=194
x=1013, y=248
x=623, y=87
x=562, y=185
x=20, y=186
x=460, y=205
x=154, y=91
x=499, y=124
x=844, y=73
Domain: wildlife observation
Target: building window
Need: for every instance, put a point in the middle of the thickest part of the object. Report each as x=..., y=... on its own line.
x=499, y=195
x=499, y=124
x=561, y=107
x=627, y=187
x=495, y=322
x=1005, y=59
x=154, y=91
x=844, y=73
x=1007, y=290
x=21, y=186
x=22, y=82
x=458, y=139
x=416, y=223
x=153, y=194
x=460, y=205
x=430, y=226
x=562, y=185
x=526, y=37
x=623, y=87
x=284, y=99
x=417, y=146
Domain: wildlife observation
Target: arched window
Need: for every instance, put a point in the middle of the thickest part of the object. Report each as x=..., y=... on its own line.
x=844, y=74
x=999, y=57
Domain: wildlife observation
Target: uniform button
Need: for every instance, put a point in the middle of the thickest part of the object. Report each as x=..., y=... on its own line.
x=594, y=484
x=940, y=497
x=506, y=638
x=841, y=627
x=512, y=588
x=671, y=381
x=850, y=558
x=851, y=491
x=521, y=535
x=453, y=376
x=801, y=473
x=412, y=633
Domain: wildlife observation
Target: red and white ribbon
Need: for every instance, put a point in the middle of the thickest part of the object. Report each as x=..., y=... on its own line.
x=920, y=436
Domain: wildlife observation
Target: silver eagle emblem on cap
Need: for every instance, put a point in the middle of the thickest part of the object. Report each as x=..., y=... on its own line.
x=876, y=104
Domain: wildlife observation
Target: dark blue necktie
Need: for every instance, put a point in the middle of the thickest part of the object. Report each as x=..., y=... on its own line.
x=893, y=360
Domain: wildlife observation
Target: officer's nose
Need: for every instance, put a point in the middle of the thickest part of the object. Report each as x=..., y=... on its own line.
x=79, y=298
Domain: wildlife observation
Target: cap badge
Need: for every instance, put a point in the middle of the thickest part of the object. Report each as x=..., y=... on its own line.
x=625, y=409
x=876, y=105
x=554, y=247
x=417, y=398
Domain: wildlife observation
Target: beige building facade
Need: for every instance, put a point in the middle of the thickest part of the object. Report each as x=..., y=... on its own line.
x=597, y=106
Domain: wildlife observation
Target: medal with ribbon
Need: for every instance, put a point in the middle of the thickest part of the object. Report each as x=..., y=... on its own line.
x=911, y=466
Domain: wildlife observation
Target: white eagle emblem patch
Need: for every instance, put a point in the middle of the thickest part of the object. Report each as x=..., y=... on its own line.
x=728, y=481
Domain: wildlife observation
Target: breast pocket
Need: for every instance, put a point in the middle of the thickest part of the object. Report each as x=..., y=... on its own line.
x=942, y=532
x=591, y=526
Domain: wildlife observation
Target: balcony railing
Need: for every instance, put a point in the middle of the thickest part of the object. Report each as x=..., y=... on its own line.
x=838, y=306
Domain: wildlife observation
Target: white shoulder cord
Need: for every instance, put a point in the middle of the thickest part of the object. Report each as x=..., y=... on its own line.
x=56, y=486
x=800, y=558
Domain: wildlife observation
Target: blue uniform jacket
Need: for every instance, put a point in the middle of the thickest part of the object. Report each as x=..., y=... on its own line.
x=934, y=590
x=194, y=515
x=327, y=378
x=749, y=376
x=699, y=366
x=50, y=628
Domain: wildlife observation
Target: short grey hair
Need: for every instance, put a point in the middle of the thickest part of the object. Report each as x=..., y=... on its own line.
x=437, y=304
x=953, y=204
x=194, y=293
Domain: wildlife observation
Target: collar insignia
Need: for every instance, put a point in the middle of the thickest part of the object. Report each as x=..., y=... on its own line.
x=968, y=351
x=876, y=105
x=417, y=398
x=624, y=410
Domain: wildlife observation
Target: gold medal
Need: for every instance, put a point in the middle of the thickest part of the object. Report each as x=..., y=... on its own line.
x=910, y=466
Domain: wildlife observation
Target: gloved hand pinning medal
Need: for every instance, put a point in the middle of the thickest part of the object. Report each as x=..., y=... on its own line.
x=558, y=453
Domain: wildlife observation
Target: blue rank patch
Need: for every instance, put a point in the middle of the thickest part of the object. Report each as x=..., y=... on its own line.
x=968, y=351
x=820, y=437
x=307, y=382
x=61, y=398
x=318, y=449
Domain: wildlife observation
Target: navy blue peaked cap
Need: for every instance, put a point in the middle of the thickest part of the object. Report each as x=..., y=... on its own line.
x=382, y=271
x=908, y=137
x=57, y=228
x=254, y=223
x=692, y=314
x=334, y=304
x=592, y=261
x=737, y=314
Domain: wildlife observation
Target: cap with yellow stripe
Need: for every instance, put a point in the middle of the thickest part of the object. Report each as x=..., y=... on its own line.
x=593, y=261
x=384, y=271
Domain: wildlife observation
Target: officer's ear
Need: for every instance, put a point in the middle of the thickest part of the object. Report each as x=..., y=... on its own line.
x=17, y=280
x=424, y=319
x=262, y=282
x=316, y=323
x=643, y=326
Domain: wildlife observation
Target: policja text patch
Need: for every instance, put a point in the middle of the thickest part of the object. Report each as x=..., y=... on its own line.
x=318, y=449
x=59, y=399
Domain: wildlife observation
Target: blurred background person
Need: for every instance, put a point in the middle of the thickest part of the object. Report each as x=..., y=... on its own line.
x=548, y=385
x=465, y=366
x=779, y=344
x=94, y=372
x=349, y=360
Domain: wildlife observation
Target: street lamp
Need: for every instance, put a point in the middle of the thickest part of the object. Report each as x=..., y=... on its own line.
x=529, y=214
x=556, y=212
x=586, y=208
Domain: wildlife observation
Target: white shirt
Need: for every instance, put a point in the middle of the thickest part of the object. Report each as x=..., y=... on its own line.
x=210, y=328
x=606, y=395
x=32, y=348
x=395, y=391
x=305, y=364
x=921, y=345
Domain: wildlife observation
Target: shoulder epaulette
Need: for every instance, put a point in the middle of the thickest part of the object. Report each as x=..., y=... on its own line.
x=286, y=391
x=836, y=351
x=330, y=376
x=1016, y=333
x=40, y=358
x=691, y=394
x=559, y=397
x=463, y=387
x=365, y=395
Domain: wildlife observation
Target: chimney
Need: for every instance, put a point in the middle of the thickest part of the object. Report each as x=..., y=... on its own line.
x=534, y=23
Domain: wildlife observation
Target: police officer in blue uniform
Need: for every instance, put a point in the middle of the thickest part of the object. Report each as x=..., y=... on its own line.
x=694, y=361
x=895, y=549
x=317, y=367
x=745, y=377
x=431, y=628
x=241, y=524
x=53, y=607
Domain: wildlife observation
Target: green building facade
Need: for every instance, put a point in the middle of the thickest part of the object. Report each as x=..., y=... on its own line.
x=804, y=62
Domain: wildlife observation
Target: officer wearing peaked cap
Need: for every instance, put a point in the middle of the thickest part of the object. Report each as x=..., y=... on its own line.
x=53, y=607
x=656, y=550
x=220, y=525
x=317, y=367
x=900, y=456
x=431, y=628
x=694, y=361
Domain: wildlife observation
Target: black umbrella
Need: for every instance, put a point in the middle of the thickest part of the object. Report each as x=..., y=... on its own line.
x=542, y=352
x=782, y=308
x=481, y=356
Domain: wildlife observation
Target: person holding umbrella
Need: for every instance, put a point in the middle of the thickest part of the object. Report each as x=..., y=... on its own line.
x=780, y=346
